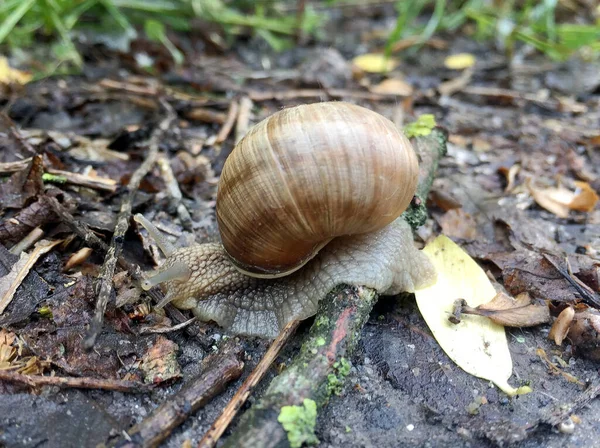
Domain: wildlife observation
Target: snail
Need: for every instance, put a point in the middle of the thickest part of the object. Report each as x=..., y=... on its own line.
x=310, y=198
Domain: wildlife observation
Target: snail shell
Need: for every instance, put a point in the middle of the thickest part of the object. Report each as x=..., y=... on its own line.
x=306, y=175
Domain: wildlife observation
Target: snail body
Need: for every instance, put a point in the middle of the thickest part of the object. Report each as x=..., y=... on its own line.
x=310, y=198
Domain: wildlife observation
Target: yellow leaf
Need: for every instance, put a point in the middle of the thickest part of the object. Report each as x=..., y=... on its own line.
x=476, y=344
x=374, y=63
x=460, y=61
x=10, y=75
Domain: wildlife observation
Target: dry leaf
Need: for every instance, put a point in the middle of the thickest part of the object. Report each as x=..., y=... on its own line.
x=375, y=63
x=512, y=312
x=11, y=281
x=585, y=199
x=77, y=258
x=393, y=86
x=159, y=363
x=560, y=200
x=584, y=333
x=476, y=344
x=460, y=61
x=457, y=223
x=10, y=75
x=562, y=324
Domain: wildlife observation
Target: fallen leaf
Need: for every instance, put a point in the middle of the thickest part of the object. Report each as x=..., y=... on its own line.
x=11, y=281
x=457, y=223
x=585, y=199
x=562, y=324
x=159, y=364
x=476, y=344
x=460, y=61
x=375, y=63
x=584, y=333
x=394, y=86
x=560, y=200
x=10, y=75
x=512, y=312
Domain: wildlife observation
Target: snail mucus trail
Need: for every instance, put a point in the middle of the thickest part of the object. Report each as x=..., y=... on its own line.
x=309, y=199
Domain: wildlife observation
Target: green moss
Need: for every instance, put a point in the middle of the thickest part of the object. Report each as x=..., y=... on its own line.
x=47, y=177
x=320, y=341
x=416, y=213
x=299, y=423
x=321, y=320
x=423, y=126
x=335, y=381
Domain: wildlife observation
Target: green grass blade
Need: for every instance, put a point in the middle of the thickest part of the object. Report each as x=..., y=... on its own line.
x=14, y=18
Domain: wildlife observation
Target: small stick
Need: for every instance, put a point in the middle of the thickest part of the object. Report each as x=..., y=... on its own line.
x=219, y=369
x=77, y=383
x=27, y=242
x=97, y=183
x=243, y=121
x=182, y=325
x=337, y=328
x=36, y=214
x=232, y=114
x=175, y=192
x=220, y=425
x=83, y=231
x=116, y=245
x=283, y=95
x=206, y=115
x=13, y=167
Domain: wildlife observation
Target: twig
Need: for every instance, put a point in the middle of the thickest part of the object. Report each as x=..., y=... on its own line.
x=220, y=425
x=205, y=115
x=77, y=383
x=232, y=114
x=552, y=104
x=83, y=231
x=27, y=242
x=108, y=267
x=331, y=339
x=13, y=167
x=320, y=368
x=243, y=121
x=175, y=192
x=182, y=325
x=283, y=95
x=219, y=369
x=97, y=183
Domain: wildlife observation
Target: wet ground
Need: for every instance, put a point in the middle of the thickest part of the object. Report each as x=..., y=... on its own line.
x=538, y=116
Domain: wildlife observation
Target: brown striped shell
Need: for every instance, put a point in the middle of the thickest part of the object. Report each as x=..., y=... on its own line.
x=306, y=175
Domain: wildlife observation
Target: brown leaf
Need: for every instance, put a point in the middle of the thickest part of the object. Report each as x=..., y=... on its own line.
x=585, y=199
x=512, y=312
x=562, y=324
x=160, y=362
x=394, y=86
x=584, y=333
x=560, y=200
x=457, y=223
